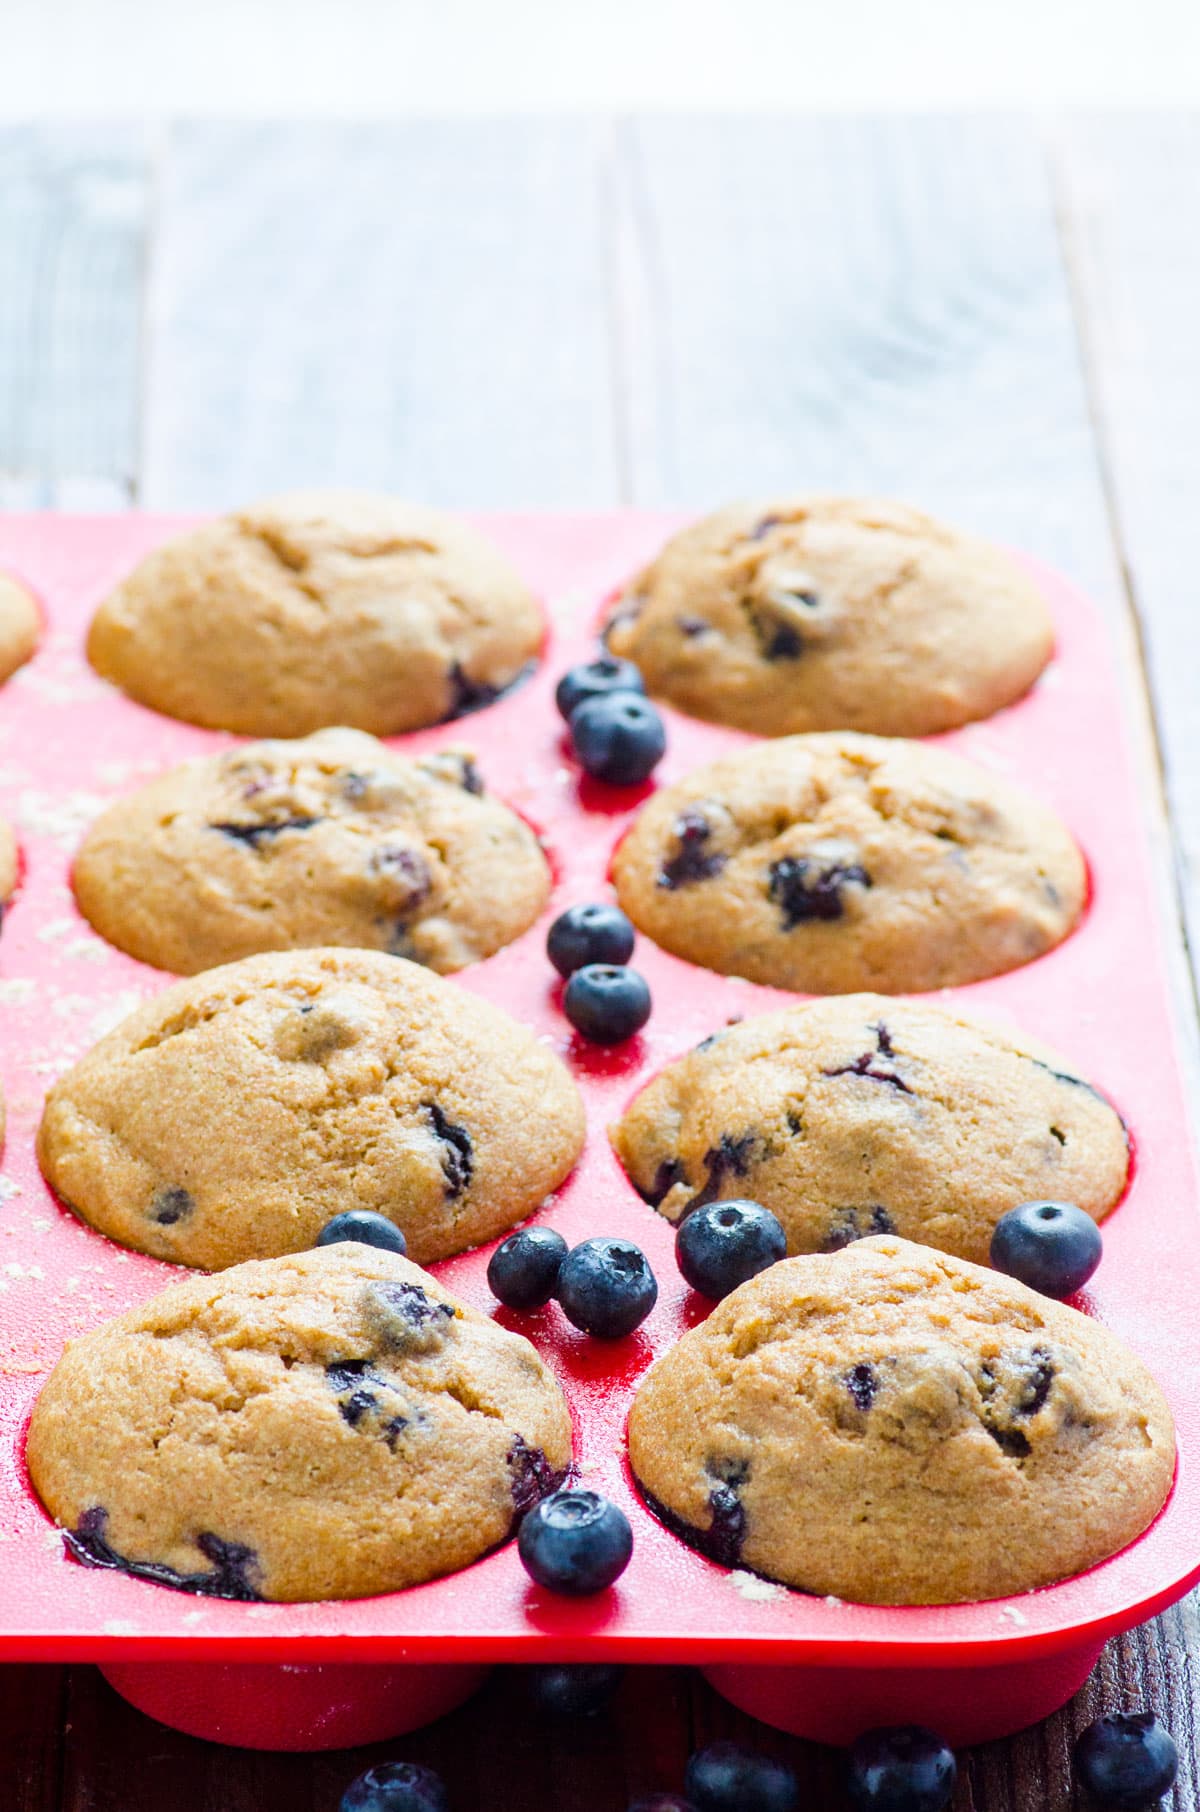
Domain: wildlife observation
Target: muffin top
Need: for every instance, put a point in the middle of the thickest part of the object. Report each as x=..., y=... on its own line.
x=236, y=1113
x=891, y=1425
x=836, y=863
x=831, y=613
x=20, y=626
x=333, y=839
x=317, y=608
x=860, y=1114
x=329, y=1425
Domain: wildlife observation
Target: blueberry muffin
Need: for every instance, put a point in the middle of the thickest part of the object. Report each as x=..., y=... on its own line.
x=893, y=1426
x=20, y=626
x=860, y=1115
x=235, y=1114
x=835, y=863
x=831, y=613
x=329, y=840
x=330, y=1425
x=321, y=607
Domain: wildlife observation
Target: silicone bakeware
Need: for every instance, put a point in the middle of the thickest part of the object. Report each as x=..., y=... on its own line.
x=322, y=1675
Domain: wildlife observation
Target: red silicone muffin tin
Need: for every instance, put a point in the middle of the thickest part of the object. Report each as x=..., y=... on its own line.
x=322, y=1675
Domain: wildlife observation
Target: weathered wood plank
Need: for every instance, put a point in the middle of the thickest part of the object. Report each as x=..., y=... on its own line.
x=855, y=304
x=1129, y=191
x=73, y=223
x=416, y=306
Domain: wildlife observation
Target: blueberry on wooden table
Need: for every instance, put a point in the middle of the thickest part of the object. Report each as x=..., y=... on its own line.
x=593, y=933
x=580, y=1691
x=722, y=1244
x=902, y=1769
x=619, y=739
x=575, y=1542
x=727, y=1777
x=606, y=1287
x=1053, y=1247
x=606, y=1003
x=396, y=1787
x=367, y=1228
x=524, y=1268
x=598, y=678
x=1126, y=1761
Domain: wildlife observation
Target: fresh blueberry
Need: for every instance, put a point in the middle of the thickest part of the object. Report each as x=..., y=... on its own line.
x=606, y=1287
x=725, y=1777
x=1126, y=1762
x=367, y=1228
x=589, y=934
x=575, y=1542
x=523, y=1270
x=903, y=1769
x=1052, y=1246
x=595, y=679
x=722, y=1244
x=573, y=1692
x=607, y=1004
x=396, y=1787
x=619, y=739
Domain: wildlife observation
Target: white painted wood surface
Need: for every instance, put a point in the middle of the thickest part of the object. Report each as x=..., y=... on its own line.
x=418, y=307
x=73, y=222
x=1129, y=191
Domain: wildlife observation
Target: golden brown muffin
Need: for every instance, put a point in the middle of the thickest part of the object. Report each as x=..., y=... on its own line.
x=235, y=1114
x=893, y=1426
x=330, y=1425
x=317, y=608
x=833, y=613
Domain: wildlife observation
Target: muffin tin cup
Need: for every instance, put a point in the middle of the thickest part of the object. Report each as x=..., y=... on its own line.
x=314, y=1675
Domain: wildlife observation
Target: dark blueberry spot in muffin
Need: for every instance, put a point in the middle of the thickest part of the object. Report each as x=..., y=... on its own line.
x=669, y=1172
x=780, y=641
x=795, y=1122
x=1056, y=1132
x=456, y=768
x=408, y=872
x=730, y=1157
x=1014, y=1387
x=353, y=785
x=467, y=695
x=258, y=835
x=171, y=1205
x=706, y=1044
x=692, y=626
x=763, y=527
x=532, y=1475
x=407, y=1317
x=876, y=1064
x=232, y=1563
x=723, y=1540
x=862, y=1381
x=691, y=861
x=458, y=1153
x=347, y=1378
x=804, y=889
x=849, y=1224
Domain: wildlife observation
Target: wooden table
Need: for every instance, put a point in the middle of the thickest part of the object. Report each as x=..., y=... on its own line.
x=997, y=318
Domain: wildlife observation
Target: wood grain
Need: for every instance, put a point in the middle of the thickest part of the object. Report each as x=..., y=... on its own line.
x=417, y=307
x=73, y=224
x=1129, y=199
